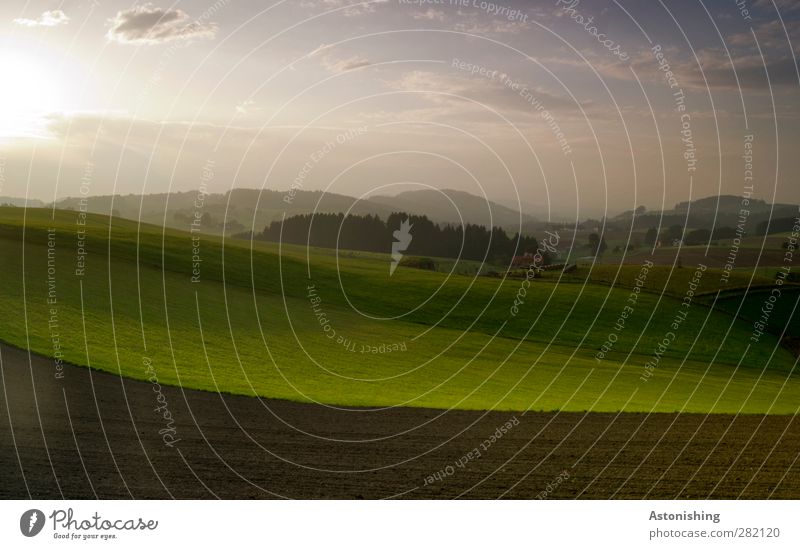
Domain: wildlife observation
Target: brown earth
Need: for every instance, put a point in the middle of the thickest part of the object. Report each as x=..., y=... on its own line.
x=92, y=434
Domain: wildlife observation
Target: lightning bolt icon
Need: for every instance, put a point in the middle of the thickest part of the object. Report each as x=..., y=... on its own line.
x=34, y=517
x=403, y=238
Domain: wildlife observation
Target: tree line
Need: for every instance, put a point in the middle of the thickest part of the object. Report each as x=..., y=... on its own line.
x=676, y=233
x=370, y=233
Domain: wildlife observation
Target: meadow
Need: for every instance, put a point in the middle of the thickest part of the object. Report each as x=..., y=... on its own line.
x=314, y=325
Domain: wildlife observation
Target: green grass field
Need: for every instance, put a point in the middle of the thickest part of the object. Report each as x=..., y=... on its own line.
x=251, y=325
x=663, y=278
x=782, y=317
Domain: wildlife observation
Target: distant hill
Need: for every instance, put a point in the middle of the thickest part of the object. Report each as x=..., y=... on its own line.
x=235, y=211
x=727, y=204
x=446, y=205
x=16, y=201
x=724, y=210
x=242, y=209
x=709, y=212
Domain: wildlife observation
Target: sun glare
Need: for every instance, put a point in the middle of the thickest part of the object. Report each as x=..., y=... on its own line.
x=28, y=92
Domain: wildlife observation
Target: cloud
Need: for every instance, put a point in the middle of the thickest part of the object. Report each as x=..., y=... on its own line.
x=319, y=49
x=782, y=5
x=771, y=35
x=753, y=72
x=147, y=24
x=478, y=23
x=430, y=14
x=137, y=134
x=47, y=19
x=333, y=64
x=247, y=107
x=711, y=70
x=348, y=7
x=499, y=91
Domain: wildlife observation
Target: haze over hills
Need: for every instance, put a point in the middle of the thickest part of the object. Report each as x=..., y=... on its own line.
x=241, y=210
x=710, y=212
x=728, y=203
x=727, y=210
x=245, y=209
x=452, y=206
x=233, y=211
x=17, y=201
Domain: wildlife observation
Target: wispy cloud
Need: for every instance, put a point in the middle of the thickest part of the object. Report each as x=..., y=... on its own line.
x=498, y=92
x=247, y=107
x=479, y=23
x=771, y=35
x=335, y=65
x=782, y=5
x=319, y=49
x=430, y=15
x=712, y=69
x=349, y=8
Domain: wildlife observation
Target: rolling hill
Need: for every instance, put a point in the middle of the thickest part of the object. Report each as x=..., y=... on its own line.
x=245, y=209
x=453, y=206
x=314, y=326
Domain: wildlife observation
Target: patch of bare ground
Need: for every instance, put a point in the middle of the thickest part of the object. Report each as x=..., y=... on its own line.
x=92, y=434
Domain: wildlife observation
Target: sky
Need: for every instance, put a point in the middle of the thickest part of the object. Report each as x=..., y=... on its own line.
x=562, y=108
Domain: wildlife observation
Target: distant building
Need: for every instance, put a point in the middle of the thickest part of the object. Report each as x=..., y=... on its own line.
x=523, y=260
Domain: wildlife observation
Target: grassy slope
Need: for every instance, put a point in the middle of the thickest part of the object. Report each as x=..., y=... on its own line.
x=542, y=359
x=782, y=316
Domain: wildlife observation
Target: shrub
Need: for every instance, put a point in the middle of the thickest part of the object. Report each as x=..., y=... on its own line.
x=425, y=263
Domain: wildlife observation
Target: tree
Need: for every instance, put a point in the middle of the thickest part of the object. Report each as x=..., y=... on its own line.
x=723, y=233
x=675, y=234
x=651, y=236
x=697, y=237
x=206, y=221
x=370, y=233
x=596, y=244
x=777, y=225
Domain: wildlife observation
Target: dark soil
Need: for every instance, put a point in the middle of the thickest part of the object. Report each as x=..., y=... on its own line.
x=92, y=434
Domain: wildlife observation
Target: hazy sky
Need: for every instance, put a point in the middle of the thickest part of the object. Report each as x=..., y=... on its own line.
x=563, y=103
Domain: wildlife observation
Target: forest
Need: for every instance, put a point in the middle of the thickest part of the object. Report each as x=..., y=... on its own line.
x=370, y=233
